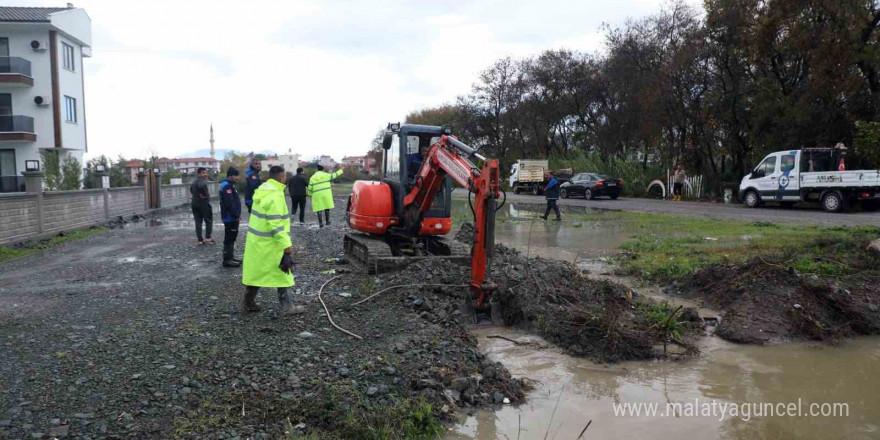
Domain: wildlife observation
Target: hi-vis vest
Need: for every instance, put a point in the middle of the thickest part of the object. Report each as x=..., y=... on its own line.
x=267, y=237
x=319, y=190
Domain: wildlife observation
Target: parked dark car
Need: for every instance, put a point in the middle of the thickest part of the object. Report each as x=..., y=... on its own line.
x=590, y=186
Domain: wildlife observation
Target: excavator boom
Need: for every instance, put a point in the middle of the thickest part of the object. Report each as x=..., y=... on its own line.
x=398, y=220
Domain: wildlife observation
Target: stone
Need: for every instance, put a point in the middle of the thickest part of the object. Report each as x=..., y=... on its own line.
x=287, y=396
x=59, y=431
x=452, y=396
x=169, y=367
x=498, y=398
x=871, y=307
x=460, y=384
x=344, y=372
x=383, y=389
x=371, y=391
x=874, y=247
x=390, y=371
x=136, y=376
x=6, y=423
x=306, y=335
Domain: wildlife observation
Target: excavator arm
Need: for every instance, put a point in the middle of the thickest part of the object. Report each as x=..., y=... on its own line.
x=451, y=157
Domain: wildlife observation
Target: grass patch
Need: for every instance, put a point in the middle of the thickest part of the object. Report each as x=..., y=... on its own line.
x=15, y=252
x=329, y=411
x=668, y=247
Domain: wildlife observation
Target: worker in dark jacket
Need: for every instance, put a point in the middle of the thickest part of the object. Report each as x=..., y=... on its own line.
x=201, y=206
x=252, y=182
x=230, y=211
x=297, y=186
x=551, y=192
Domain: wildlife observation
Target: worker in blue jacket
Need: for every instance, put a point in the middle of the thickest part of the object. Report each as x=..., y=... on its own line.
x=252, y=182
x=551, y=192
x=230, y=211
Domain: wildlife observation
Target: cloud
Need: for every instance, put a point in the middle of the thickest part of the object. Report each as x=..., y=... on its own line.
x=317, y=76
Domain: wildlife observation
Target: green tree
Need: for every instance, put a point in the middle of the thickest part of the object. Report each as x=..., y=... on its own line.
x=168, y=175
x=71, y=178
x=119, y=175
x=866, y=145
x=52, y=168
x=92, y=180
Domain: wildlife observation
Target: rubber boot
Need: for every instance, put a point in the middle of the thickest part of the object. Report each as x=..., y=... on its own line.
x=320, y=222
x=327, y=216
x=287, y=307
x=249, y=304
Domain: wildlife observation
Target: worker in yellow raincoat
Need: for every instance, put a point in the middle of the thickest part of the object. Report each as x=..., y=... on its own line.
x=267, y=252
x=321, y=194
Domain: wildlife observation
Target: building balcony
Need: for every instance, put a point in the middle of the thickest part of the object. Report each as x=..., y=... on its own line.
x=15, y=71
x=17, y=128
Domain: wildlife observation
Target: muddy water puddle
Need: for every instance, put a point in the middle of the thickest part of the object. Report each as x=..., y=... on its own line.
x=571, y=391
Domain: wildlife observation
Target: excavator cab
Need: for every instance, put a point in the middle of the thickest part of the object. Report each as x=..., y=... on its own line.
x=404, y=149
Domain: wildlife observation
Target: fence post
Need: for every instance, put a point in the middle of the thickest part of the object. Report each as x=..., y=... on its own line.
x=33, y=184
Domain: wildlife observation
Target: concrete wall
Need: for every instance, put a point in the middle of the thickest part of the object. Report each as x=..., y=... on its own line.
x=19, y=218
x=26, y=215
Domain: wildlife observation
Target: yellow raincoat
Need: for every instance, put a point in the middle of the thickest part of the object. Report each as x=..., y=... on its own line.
x=267, y=237
x=319, y=190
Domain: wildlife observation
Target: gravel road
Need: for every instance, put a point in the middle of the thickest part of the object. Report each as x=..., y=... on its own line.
x=135, y=333
x=803, y=215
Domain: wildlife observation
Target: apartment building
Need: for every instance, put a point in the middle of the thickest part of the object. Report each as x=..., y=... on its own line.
x=289, y=161
x=42, y=98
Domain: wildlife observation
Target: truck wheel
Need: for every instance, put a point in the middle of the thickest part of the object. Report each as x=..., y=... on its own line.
x=870, y=205
x=588, y=194
x=832, y=202
x=615, y=196
x=563, y=193
x=752, y=199
x=516, y=189
x=535, y=190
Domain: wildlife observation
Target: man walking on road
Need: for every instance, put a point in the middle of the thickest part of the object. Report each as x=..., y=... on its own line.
x=230, y=212
x=297, y=186
x=267, y=253
x=201, y=206
x=252, y=181
x=322, y=196
x=551, y=193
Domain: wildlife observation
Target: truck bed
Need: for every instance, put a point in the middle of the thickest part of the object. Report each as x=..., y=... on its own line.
x=841, y=179
x=531, y=174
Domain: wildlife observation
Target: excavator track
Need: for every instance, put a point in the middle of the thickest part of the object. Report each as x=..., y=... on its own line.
x=373, y=255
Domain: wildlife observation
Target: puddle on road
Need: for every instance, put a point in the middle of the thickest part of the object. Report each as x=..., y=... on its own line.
x=724, y=372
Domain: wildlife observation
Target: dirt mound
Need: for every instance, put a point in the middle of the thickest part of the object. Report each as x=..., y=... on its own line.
x=765, y=302
x=596, y=319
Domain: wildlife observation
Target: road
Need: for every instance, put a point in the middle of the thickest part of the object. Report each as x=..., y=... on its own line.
x=806, y=215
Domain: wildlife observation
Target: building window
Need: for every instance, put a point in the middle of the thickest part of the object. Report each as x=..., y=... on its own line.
x=4, y=47
x=70, y=109
x=68, y=57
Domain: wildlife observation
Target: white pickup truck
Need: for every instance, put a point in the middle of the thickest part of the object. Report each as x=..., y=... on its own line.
x=810, y=175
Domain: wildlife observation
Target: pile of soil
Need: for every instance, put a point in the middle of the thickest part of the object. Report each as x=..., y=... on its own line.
x=764, y=303
x=596, y=319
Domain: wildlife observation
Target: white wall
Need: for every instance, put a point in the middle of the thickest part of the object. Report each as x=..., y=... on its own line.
x=20, y=37
x=73, y=135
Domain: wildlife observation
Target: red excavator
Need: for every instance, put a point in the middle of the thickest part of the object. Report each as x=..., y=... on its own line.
x=404, y=217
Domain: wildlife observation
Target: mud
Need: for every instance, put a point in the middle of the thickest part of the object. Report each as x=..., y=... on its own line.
x=764, y=302
x=598, y=319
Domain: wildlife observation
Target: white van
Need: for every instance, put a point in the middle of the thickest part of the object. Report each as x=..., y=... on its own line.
x=810, y=174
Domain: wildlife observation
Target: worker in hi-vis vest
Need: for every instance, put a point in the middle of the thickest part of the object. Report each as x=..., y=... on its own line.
x=321, y=194
x=267, y=251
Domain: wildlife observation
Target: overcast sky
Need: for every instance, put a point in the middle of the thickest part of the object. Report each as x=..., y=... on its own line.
x=317, y=77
